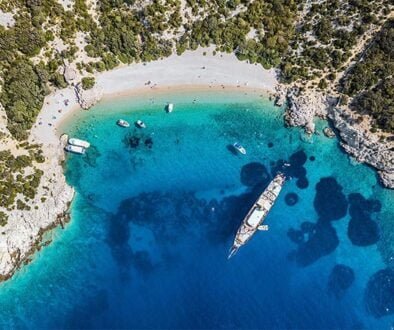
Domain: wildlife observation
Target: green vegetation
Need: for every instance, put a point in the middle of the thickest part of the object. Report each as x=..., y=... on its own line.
x=18, y=178
x=3, y=218
x=88, y=82
x=326, y=36
x=371, y=81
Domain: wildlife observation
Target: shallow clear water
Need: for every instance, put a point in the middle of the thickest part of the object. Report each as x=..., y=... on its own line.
x=157, y=209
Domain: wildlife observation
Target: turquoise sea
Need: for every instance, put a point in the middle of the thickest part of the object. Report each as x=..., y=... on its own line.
x=157, y=209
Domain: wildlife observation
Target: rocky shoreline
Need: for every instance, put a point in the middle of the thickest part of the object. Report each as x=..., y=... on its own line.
x=24, y=231
x=364, y=146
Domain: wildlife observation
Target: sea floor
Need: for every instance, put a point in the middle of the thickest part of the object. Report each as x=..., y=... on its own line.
x=157, y=209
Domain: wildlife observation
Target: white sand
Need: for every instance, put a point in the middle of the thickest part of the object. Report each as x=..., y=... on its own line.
x=191, y=69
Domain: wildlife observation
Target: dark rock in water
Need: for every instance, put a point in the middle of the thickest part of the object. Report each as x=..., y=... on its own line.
x=132, y=141
x=321, y=242
x=362, y=230
x=253, y=174
x=270, y=144
x=308, y=227
x=341, y=278
x=302, y=183
x=295, y=236
x=330, y=203
x=149, y=143
x=296, y=171
x=298, y=159
x=291, y=199
x=379, y=294
x=312, y=158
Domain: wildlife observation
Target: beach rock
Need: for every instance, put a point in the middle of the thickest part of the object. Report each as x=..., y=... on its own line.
x=303, y=107
x=365, y=147
x=280, y=95
x=70, y=74
x=88, y=98
x=329, y=132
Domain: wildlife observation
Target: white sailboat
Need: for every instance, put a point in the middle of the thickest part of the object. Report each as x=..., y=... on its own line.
x=256, y=215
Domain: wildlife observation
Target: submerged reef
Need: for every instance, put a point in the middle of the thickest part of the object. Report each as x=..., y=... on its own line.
x=340, y=279
x=254, y=173
x=379, y=294
x=330, y=203
x=362, y=230
x=316, y=240
x=291, y=199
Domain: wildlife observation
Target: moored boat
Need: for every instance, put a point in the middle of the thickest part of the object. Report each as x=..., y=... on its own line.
x=140, y=124
x=122, y=123
x=239, y=148
x=169, y=107
x=258, y=212
x=75, y=149
x=79, y=143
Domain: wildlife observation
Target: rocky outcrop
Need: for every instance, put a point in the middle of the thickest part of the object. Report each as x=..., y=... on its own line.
x=363, y=146
x=329, y=132
x=70, y=74
x=303, y=107
x=22, y=234
x=88, y=98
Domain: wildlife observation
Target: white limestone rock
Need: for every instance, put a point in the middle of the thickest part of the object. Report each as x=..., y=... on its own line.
x=88, y=98
x=365, y=147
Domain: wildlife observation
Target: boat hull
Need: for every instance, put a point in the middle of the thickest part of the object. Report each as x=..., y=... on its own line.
x=257, y=214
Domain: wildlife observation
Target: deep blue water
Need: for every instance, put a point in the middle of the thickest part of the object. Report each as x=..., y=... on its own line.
x=157, y=209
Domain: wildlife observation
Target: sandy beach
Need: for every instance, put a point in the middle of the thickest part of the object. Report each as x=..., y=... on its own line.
x=191, y=70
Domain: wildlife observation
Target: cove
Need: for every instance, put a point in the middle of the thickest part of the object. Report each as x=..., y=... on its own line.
x=157, y=209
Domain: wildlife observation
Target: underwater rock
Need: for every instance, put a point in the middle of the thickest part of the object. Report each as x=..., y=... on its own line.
x=131, y=141
x=298, y=158
x=340, y=279
x=362, y=230
x=302, y=183
x=322, y=241
x=308, y=227
x=312, y=158
x=379, y=294
x=253, y=174
x=270, y=144
x=295, y=236
x=149, y=143
x=330, y=202
x=291, y=199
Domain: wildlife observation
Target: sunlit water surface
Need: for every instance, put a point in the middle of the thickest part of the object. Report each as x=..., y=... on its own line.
x=157, y=209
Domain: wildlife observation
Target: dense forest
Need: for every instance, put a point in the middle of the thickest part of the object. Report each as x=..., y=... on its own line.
x=371, y=80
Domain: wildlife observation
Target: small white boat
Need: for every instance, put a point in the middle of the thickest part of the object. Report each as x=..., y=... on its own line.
x=75, y=149
x=79, y=143
x=140, y=124
x=169, y=107
x=239, y=148
x=122, y=123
